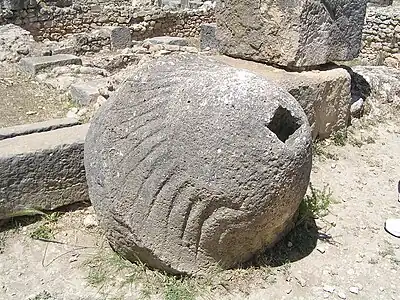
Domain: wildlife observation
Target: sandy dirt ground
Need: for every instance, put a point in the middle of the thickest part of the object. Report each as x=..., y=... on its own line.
x=24, y=100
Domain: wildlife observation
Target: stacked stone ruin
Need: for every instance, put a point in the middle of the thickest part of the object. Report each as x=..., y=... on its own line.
x=298, y=37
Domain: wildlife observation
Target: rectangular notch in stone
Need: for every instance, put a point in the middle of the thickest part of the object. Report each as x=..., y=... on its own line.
x=283, y=124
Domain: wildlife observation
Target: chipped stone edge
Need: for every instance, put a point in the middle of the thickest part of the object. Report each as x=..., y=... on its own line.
x=25, y=129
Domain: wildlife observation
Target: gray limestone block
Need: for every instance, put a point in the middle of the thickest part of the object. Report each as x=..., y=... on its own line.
x=377, y=85
x=169, y=40
x=86, y=93
x=10, y=132
x=14, y=4
x=42, y=170
x=34, y=65
x=325, y=95
x=291, y=33
x=208, y=39
x=193, y=163
x=120, y=38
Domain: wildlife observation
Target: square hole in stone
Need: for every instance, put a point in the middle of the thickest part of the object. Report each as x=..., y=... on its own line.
x=283, y=124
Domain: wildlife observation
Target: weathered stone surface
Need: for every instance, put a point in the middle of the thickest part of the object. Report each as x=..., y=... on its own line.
x=208, y=39
x=193, y=163
x=291, y=33
x=34, y=65
x=86, y=93
x=120, y=38
x=42, y=170
x=15, y=42
x=14, y=4
x=10, y=132
x=169, y=40
x=377, y=84
x=325, y=95
x=380, y=2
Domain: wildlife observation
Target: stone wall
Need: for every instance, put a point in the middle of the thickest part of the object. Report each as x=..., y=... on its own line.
x=53, y=22
x=381, y=36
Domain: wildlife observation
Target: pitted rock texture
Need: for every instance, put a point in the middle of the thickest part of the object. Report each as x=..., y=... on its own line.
x=291, y=33
x=193, y=163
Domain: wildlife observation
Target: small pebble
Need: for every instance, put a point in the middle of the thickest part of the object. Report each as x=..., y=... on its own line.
x=73, y=259
x=90, y=221
x=329, y=289
x=301, y=281
x=354, y=290
x=342, y=295
x=290, y=244
x=71, y=114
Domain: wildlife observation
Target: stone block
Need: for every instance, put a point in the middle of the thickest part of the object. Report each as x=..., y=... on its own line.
x=10, y=132
x=380, y=2
x=86, y=93
x=208, y=39
x=14, y=5
x=325, y=95
x=169, y=40
x=291, y=33
x=42, y=170
x=63, y=50
x=377, y=85
x=120, y=38
x=34, y=65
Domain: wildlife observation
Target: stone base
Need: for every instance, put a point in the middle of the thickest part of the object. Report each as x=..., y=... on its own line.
x=42, y=170
x=325, y=95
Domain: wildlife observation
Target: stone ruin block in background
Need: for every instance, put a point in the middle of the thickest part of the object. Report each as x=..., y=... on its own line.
x=208, y=39
x=14, y=4
x=291, y=33
x=380, y=2
x=120, y=37
x=324, y=94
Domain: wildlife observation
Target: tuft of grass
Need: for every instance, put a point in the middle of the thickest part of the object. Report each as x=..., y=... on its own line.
x=339, y=138
x=112, y=274
x=315, y=205
x=42, y=232
x=45, y=231
x=178, y=290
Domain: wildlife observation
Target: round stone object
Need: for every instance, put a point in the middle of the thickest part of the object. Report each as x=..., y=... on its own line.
x=193, y=163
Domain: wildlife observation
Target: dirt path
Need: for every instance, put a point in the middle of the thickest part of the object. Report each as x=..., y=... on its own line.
x=24, y=100
x=350, y=257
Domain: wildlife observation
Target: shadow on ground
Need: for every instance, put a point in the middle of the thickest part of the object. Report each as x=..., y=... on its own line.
x=297, y=244
x=7, y=224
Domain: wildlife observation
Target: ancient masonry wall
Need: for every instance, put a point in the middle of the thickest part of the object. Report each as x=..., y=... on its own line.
x=53, y=22
x=381, y=35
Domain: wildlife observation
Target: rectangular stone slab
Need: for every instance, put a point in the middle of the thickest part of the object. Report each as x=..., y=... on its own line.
x=87, y=92
x=325, y=95
x=291, y=33
x=10, y=132
x=208, y=36
x=42, y=170
x=34, y=65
